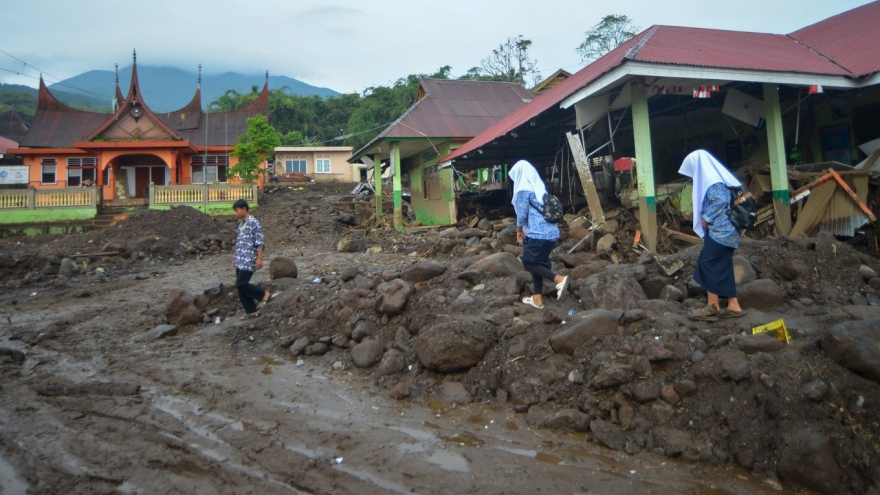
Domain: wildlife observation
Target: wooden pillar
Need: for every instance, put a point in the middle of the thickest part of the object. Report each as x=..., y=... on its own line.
x=377, y=185
x=644, y=166
x=398, y=189
x=776, y=150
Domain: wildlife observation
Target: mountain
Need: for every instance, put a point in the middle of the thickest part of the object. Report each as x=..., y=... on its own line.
x=24, y=99
x=166, y=88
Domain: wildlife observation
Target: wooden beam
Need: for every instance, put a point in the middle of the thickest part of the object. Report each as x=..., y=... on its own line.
x=582, y=165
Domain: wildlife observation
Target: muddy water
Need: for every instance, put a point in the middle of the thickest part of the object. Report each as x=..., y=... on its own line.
x=208, y=420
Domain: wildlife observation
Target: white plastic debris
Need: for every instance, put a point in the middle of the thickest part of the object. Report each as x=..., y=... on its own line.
x=300, y=362
x=337, y=460
x=217, y=320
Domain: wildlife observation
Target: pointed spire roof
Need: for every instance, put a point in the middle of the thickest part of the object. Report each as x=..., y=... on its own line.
x=57, y=125
x=133, y=105
x=222, y=128
x=119, y=97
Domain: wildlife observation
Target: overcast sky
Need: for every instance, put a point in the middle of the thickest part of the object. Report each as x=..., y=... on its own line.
x=346, y=46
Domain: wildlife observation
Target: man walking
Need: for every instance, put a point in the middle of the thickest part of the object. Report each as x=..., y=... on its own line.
x=247, y=259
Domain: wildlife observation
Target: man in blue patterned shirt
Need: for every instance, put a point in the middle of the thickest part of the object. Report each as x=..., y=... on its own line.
x=247, y=259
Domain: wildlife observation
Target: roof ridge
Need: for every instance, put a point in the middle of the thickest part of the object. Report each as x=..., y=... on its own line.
x=817, y=52
x=631, y=54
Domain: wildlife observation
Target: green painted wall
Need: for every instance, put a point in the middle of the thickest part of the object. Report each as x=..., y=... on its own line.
x=213, y=209
x=19, y=216
x=433, y=211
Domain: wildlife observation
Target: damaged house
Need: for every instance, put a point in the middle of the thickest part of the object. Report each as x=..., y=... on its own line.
x=780, y=110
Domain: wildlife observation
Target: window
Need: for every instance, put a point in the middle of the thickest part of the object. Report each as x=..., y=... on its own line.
x=48, y=170
x=425, y=188
x=80, y=170
x=295, y=166
x=106, y=176
x=322, y=166
x=216, y=169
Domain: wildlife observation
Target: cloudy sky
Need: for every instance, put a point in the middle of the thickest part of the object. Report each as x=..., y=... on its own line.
x=343, y=45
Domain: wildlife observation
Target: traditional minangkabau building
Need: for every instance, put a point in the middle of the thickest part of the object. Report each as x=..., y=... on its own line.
x=134, y=156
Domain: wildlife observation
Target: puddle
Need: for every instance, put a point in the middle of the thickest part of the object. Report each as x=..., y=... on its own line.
x=549, y=458
x=465, y=439
x=381, y=483
x=417, y=434
x=437, y=405
x=10, y=481
x=511, y=426
x=449, y=461
x=267, y=370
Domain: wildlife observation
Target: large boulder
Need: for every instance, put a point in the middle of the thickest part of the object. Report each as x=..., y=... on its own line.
x=180, y=308
x=616, y=287
x=500, y=264
x=806, y=458
x=454, y=345
x=743, y=272
x=862, y=312
x=854, y=345
x=68, y=268
x=583, y=327
x=392, y=296
x=588, y=268
x=281, y=267
x=425, y=270
x=366, y=354
x=115, y=247
x=760, y=294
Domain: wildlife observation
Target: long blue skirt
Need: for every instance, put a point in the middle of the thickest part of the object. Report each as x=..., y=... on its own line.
x=715, y=268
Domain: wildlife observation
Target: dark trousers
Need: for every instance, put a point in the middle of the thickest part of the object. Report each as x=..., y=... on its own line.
x=536, y=260
x=248, y=293
x=714, y=270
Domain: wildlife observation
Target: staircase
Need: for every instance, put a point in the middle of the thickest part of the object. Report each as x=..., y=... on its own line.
x=109, y=216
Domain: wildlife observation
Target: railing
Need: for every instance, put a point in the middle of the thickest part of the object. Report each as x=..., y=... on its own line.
x=195, y=193
x=32, y=198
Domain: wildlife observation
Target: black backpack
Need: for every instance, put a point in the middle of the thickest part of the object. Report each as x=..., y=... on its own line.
x=743, y=211
x=552, y=211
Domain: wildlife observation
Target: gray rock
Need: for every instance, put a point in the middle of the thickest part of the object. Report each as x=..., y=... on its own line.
x=455, y=344
x=472, y=277
x=867, y=273
x=454, y=393
x=608, y=434
x=298, y=345
x=349, y=273
x=68, y=268
x=583, y=327
x=815, y=390
x=316, y=349
x=392, y=362
x=366, y=354
x=853, y=345
x=806, y=458
x=606, y=243
x=588, y=268
x=281, y=267
x=826, y=245
x=671, y=293
x=644, y=391
x=743, y=272
x=569, y=420
x=463, y=299
x=760, y=294
x=485, y=224
x=862, y=312
x=180, y=308
x=612, y=375
x=115, y=247
x=163, y=331
x=423, y=271
x=616, y=287
x=653, y=285
x=685, y=388
x=501, y=264
x=392, y=297
x=362, y=330
x=400, y=391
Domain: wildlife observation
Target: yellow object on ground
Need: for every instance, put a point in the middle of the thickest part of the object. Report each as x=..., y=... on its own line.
x=777, y=326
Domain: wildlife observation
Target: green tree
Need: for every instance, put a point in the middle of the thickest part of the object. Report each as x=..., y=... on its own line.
x=254, y=147
x=605, y=36
x=233, y=100
x=509, y=62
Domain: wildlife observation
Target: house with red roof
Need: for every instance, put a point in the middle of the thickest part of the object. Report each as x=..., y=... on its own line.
x=134, y=156
x=810, y=96
x=446, y=114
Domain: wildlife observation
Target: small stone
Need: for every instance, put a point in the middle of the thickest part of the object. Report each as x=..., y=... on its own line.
x=668, y=394
x=815, y=390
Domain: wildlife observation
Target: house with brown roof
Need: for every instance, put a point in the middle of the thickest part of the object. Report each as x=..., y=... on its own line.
x=134, y=156
x=809, y=96
x=446, y=114
x=320, y=163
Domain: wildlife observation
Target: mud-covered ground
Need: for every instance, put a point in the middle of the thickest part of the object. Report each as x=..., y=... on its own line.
x=461, y=389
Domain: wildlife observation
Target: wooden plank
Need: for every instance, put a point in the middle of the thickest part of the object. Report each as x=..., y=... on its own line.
x=582, y=165
x=811, y=214
x=681, y=236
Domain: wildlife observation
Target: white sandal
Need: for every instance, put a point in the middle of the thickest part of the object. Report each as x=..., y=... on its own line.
x=562, y=288
x=531, y=302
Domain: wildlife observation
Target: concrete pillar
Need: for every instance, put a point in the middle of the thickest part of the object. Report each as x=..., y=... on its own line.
x=377, y=179
x=776, y=150
x=644, y=166
x=398, y=189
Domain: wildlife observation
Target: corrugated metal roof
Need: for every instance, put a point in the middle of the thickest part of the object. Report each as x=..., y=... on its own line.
x=697, y=47
x=56, y=125
x=7, y=144
x=455, y=109
x=187, y=117
x=14, y=124
x=850, y=39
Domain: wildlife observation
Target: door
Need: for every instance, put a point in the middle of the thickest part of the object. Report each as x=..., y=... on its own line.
x=157, y=175
x=141, y=182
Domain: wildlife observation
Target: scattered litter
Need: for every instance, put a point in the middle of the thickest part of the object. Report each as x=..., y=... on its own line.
x=300, y=362
x=337, y=460
x=34, y=294
x=217, y=320
x=316, y=281
x=777, y=326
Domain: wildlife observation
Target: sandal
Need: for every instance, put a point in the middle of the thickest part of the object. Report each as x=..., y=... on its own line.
x=531, y=302
x=265, y=300
x=249, y=316
x=706, y=313
x=732, y=314
x=562, y=288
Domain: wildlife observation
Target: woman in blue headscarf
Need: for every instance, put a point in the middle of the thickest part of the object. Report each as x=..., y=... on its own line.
x=711, y=198
x=538, y=237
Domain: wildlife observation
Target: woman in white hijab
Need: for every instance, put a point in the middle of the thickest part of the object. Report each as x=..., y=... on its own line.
x=538, y=237
x=711, y=198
